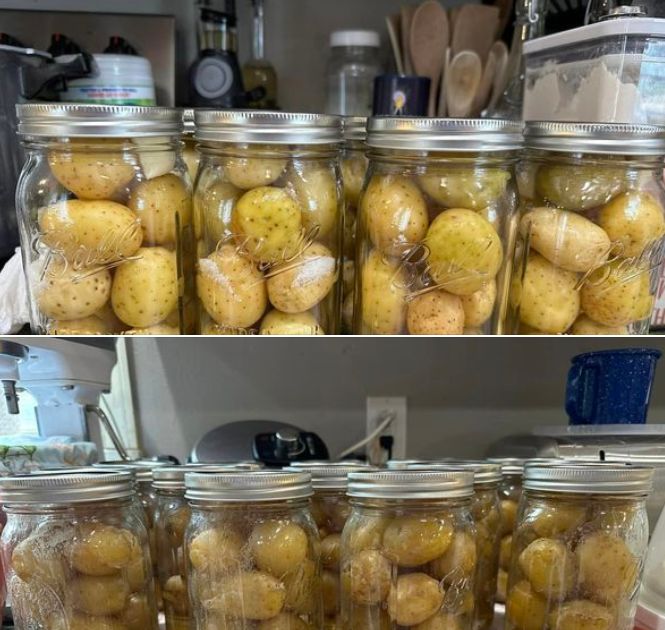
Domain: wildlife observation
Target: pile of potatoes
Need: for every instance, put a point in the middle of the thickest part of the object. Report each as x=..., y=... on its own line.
x=433, y=248
x=412, y=570
x=268, y=232
x=258, y=573
x=573, y=567
x=111, y=252
x=84, y=575
x=587, y=245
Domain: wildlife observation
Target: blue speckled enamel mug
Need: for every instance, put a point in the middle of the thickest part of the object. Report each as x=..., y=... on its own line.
x=611, y=386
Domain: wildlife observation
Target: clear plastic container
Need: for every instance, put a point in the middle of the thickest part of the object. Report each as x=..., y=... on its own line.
x=104, y=206
x=592, y=231
x=268, y=218
x=612, y=71
x=354, y=62
x=408, y=552
x=435, y=226
x=253, y=552
x=578, y=547
x=75, y=553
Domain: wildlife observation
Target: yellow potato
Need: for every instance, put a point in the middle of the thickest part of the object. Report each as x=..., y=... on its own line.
x=508, y=512
x=191, y=157
x=216, y=551
x=547, y=296
x=353, y=176
x=330, y=551
x=584, y=325
x=367, y=577
x=315, y=189
x=145, y=290
x=479, y=305
x=164, y=206
x=384, y=291
x=175, y=524
x=349, y=233
x=302, y=588
x=395, y=214
x=92, y=174
x=634, y=222
x=267, y=222
x=435, y=313
x=216, y=211
x=301, y=283
x=525, y=609
x=102, y=549
x=135, y=572
x=278, y=546
x=581, y=615
x=414, y=598
x=566, y=239
x=505, y=549
x=35, y=560
x=138, y=614
x=175, y=595
x=278, y=323
x=252, y=172
x=101, y=595
x=549, y=567
x=90, y=232
x=617, y=294
x=559, y=520
x=284, y=621
x=231, y=288
x=413, y=540
x=465, y=252
x=91, y=325
x=608, y=570
x=347, y=312
x=579, y=187
x=330, y=591
x=251, y=594
x=363, y=533
x=465, y=188
x=68, y=294
x=157, y=329
x=459, y=560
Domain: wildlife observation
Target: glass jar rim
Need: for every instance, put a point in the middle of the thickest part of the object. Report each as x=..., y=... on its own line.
x=484, y=472
x=411, y=484
x=354, y=128
x=330, y=475
x=173, y=477
x=142, y=468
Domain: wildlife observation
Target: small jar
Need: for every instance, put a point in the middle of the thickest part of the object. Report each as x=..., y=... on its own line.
x=189, y=153
x=268, y=219
x=253, y=552
x=171, y=520
x=408, y=551
x=354, y=168
x=75, y=553
x=435, y=226
x=578, y=547
x=104, y=207
x=591, y=235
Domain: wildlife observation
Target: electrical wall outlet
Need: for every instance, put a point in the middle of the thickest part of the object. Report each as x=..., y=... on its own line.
x=378, y=409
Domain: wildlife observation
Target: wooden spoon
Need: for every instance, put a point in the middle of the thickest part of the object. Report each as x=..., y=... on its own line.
x=393, y=26
x=485, y=86
x=500, y=52
x=428, y=41
x=475, y=29
x=441, y=112
x=406, y=17
x=462, y=81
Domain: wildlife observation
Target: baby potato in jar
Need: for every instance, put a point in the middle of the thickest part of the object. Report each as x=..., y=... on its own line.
x=315, y=189
x=414, y=598
x=435, y=312
x=279, y=323
x=253, y=172
x=278, y=547
x=411, y=541
x=465, y=187
x=384, y=292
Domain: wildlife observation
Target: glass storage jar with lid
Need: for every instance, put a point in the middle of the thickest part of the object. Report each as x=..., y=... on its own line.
x=268, y=219
x=408, y=550
x=435, y=226
x=189, y=153
x=252, y=550
x=104, y=205
x=592, y=229
x=578, y=547
x=75, y=553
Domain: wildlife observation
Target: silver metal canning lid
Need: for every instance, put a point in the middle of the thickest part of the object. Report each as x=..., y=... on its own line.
x=403, y=464
x=354, y=128
x=411, y=484
x=588, y=478
x=444, y=134
x=484, y=472
x=330, y=475
x=510, y=466
x=260, y=485
x=79, y=120
x=142, y=468
x=188, y=122
x=600, y=138
x=54, y=489
x=257, y=127
x=173, y=477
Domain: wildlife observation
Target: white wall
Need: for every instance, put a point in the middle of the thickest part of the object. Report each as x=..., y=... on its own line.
x=462, y=393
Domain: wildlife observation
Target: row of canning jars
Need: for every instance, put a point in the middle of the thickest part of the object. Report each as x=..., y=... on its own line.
x=452, y=226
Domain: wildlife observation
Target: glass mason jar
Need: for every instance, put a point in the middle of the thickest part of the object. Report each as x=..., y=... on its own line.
x=253, y=552
x=171, y=520
x=189, y=153
x=578, y=547
x=75, y=553
x=592, y=229
x=268, y=219
x=354, y=168
x=104, y=208
x=408, y=553
x=435, y=226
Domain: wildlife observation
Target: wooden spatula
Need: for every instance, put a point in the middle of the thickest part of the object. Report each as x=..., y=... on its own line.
x=500, y=52
x=462, y=81
x=428, y=41
x=485, y=86
x=443, y=106
x=406, y=17
x=475, y=29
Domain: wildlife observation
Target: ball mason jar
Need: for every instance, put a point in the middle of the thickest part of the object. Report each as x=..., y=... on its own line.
x=104, y=209
x=591, y=232
x=408, y=551
x=268, y=219
x=578, y=547
x=435, y=226
x=253, y=552
x=75, y=553
x=189, y=153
